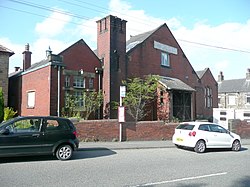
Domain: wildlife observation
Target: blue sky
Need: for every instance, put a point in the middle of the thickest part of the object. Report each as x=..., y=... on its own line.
x=60, y=23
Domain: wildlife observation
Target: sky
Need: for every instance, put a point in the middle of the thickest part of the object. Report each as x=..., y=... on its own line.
x=213, y=34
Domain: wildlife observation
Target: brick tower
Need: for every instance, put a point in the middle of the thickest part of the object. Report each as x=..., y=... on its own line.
x=111, y=49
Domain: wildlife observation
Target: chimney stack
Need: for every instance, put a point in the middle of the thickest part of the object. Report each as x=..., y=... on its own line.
x=17, y=69
x=48, y=52
x=248, y=74
x=26, y=57
x=220, y=77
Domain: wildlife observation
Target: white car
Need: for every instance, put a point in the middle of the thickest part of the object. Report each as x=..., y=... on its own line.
x=202, y=135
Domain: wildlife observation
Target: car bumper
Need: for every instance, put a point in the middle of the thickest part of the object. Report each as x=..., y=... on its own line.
x=184, y=141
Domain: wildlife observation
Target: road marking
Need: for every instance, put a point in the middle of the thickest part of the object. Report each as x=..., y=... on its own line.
x=181, y=179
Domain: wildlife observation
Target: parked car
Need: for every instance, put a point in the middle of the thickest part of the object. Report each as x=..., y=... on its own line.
x=203, y=135
x=38, y=135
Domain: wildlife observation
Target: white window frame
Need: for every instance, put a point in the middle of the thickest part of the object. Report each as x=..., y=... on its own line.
x=208, y=97
x=31, y=99
x=231, y=100
x=79, y=82
x=165, y=59
x=67, y=81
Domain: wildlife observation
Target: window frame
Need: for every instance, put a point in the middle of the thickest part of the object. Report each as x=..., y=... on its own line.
x=164, y=62
x=31, y=99
x=79, y=82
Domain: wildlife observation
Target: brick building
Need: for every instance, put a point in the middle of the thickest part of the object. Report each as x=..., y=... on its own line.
x=5, y=54
x=40, y=88
x=182, y=93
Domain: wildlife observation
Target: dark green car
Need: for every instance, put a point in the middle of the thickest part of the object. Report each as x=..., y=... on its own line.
x=38, y=135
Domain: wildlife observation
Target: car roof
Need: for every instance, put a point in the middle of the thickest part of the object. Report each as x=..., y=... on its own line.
x=196, y=122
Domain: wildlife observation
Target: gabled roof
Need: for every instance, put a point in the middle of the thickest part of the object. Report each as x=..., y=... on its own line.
x=6, y=50
x=175, y=84
x=201, y=73
x=234, y=85
x=135, y=40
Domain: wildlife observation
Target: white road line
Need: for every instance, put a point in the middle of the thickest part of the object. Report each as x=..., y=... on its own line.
x=181, y=179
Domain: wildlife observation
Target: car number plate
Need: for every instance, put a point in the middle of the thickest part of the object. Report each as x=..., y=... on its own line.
x=179, y=139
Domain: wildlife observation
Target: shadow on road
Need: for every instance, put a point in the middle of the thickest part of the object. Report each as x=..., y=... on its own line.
x=80, y=154
x=210, y=150
x=243, y=182
x=84, y=153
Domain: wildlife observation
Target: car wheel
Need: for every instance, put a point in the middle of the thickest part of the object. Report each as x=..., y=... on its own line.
x=200, y=147
x=64, y=152
x=236, y=145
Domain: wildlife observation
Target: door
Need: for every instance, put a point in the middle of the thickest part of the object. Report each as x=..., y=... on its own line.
x=56, y=131
x=22, y=136
x=219, y=137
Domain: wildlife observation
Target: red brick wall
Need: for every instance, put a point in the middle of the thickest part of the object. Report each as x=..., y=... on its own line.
x=207, y=81
x=240, y=127
x=111, y=47
x=108, y=130
x=38, y=81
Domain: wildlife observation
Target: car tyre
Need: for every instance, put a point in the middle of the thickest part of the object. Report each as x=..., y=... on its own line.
x=236, y=146
x=64, y=152
x=200, y=147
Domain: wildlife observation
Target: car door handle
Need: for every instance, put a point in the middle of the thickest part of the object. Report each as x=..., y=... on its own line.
x=35, y=135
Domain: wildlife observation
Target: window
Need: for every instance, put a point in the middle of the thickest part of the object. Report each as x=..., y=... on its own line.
x=91, y=83
x=248, y=99
x=67, y=81
x=31, y=95
x=26, y=125
x=79, y=98
x=216, y=128
x=165, y=59
x=208, y=97
x=204, y=127
x=79, y=82
x=231, y=100
x=185, y=127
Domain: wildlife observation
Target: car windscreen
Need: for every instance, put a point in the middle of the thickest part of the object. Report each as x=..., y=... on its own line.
x=185, y=126
x=5, y=122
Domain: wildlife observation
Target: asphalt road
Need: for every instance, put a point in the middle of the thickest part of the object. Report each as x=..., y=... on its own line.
x=131, y=167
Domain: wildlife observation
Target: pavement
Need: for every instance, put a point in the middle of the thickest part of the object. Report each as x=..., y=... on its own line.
x=134, y=145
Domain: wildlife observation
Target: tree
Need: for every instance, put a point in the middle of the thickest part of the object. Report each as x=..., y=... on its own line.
x=1, y=105
x=92, y=102
x=140, y=92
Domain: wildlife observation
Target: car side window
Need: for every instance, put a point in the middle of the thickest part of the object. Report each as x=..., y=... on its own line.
x=217, y=128
x=25, y=125
x=204, y=127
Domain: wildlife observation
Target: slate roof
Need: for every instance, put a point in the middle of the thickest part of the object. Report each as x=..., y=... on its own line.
x=6, y=50
x=234, y=85
x=135, y=40
x=175, y=84
x=201, y=73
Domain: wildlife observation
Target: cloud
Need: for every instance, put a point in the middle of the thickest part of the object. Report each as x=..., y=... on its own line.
x=53, y=25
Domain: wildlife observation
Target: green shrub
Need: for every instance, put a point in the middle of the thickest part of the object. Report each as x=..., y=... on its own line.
x=9, y=113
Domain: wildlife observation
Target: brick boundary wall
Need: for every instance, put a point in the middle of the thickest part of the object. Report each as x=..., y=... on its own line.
x=108, y=130
x=240, y=127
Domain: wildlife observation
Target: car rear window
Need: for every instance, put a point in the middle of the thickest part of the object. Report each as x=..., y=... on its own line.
x=185, y=127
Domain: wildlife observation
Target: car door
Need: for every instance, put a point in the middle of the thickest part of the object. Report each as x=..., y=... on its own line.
x=22, y=136
x=219, y=136
x=55, y=131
